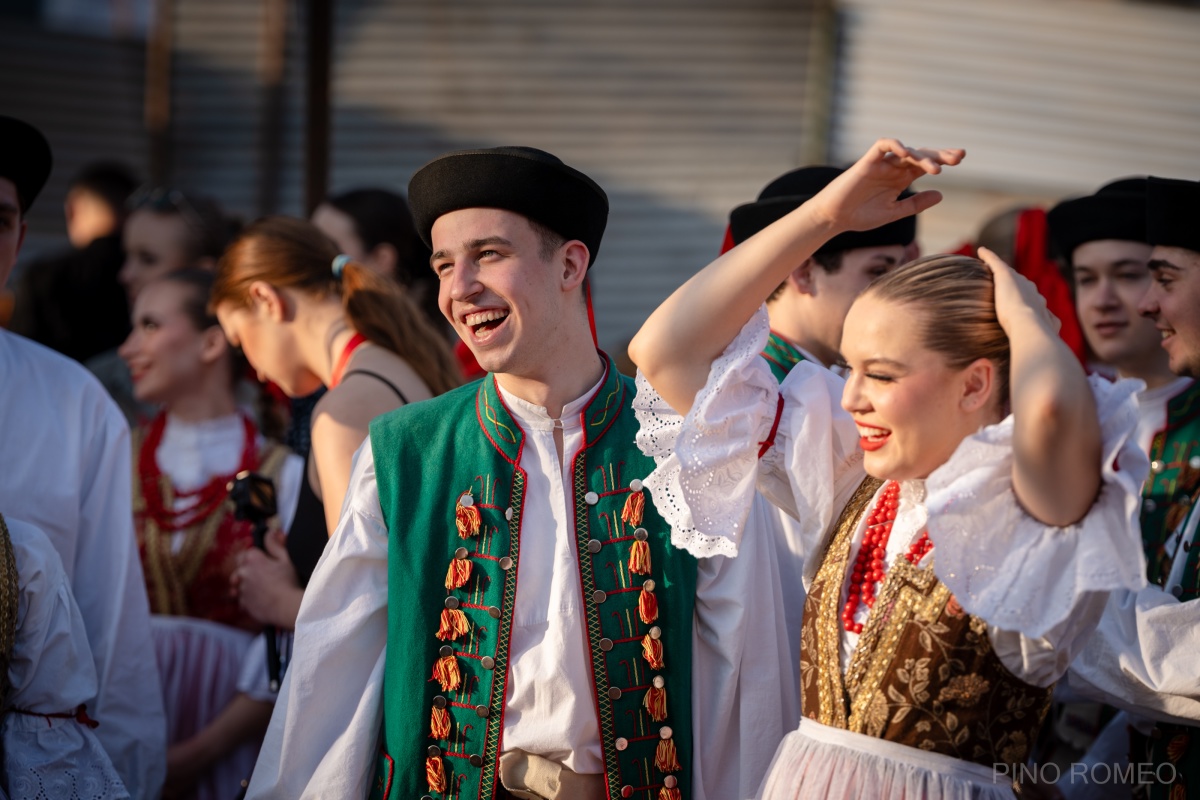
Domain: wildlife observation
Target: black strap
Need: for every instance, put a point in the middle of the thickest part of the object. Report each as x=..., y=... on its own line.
x=378, y=377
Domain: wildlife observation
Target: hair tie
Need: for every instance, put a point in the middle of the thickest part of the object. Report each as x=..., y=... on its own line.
x=339, y=264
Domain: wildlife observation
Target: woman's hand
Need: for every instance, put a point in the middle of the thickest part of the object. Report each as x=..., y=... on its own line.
x=266, y=585
x=866, y=195
x=1017, y=298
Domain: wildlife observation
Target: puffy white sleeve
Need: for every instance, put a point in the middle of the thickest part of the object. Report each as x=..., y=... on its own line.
x=1017, y=573
x=1142, y=656
x=52, y=673
x=738, y=439
x=324, y=733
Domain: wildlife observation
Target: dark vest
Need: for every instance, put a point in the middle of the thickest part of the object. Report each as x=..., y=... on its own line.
x=923, y=674
x=439, y=458
x=1174, y=479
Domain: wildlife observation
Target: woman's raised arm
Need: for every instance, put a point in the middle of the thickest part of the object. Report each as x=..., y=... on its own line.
x=678, y=343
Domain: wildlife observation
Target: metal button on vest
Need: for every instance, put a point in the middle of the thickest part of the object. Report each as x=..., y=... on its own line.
x=477, y=760
x=1194, y=462
x=466, y=500
x=452, y=602
x=665, y=732
x=445, y=650
x=460, y=553
x=591, y=498
x=614, y=693
x=506, y=563
x=434, y=751
x=426, y=797
x=439, y=701
x=493, y=612
x=621, y=743
x=599, y=596
x=626, y=791
x=658, y=682
x=640, y=534
x=508, y=513
x=594, y=546
x=488, y=662
x=1150, y=505
x=635, y=485
x=649, y=585
x=656, y=632
x=482, y=711
x=670, y=781
x=1156, y=466
x=606, y=644
x=1177, y=590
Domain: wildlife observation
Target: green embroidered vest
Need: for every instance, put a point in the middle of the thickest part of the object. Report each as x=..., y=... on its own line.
x=781, y=355
x=1174, y=478
x=452, y=491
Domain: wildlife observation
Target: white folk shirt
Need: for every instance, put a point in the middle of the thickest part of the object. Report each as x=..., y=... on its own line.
x=65, y=447
x=323, y=739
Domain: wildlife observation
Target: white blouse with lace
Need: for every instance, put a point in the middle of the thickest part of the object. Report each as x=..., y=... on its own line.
x=1041, y=588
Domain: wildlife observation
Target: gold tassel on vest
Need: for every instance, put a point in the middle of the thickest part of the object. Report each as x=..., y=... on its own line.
x=665, y=757
x=458, y=574
x=453, y=624
x=648, y=603
x=656, y=701
x=466, y=517
x=445, y=672
x=639, y=557
x=435, y=773
x=635, y=504
x=652, y=651
x=669, y=794
x=439, y=727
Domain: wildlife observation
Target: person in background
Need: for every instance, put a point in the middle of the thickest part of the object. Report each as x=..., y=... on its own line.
x=48, y=746
x=72, y=446
x=73, y=302
x=306, y=316
x=214, y=684
x=167, y=230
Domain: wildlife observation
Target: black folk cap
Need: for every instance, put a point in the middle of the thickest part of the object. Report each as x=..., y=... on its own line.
x=25, y=159
x=1116, y=211
x=791, y=190
x=524, y=180
x=1173, y=213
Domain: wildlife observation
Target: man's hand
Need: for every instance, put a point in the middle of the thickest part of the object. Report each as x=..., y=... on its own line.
x=266, y=584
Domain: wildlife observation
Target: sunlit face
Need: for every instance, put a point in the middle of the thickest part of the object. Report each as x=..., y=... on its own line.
x=905, y=399
x=165, y=352
x=502, y=298
x=836, y=291
x=269, y=345
x=340, y=227
x=12, y=229
x=1173, y=302
x=1111, y=277
x=155, y=245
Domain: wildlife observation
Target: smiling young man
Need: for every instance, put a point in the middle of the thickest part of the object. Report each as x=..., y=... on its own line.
x=498, y=545
x=68, y=448
x=1142, y=657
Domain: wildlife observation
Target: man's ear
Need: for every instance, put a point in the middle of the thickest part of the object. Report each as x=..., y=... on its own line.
x=979, y=384
x=270, y=302
x=801, y=278
x=574, y=257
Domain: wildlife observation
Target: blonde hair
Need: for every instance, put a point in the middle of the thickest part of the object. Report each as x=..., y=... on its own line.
x=958, y=297
x=293, y=253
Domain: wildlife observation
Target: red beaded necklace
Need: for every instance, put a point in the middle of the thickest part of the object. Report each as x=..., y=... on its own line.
x=869, y=570
x=209, y=497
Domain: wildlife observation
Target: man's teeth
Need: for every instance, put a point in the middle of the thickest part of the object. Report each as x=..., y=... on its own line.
x=1165, y=334
x=481, y=317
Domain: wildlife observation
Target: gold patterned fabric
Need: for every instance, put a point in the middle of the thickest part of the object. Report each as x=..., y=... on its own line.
x=924, y=673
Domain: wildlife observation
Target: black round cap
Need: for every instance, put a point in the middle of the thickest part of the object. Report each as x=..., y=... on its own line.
x=1173, y=213
x=791, y=190
x=25, y=159
x=1116, y=211
x=523, y=180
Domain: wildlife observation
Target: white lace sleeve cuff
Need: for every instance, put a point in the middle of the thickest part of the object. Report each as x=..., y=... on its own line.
x=1014, y=571
x=707, y=461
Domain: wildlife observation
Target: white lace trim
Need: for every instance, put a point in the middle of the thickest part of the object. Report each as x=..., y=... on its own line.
x=56, y=759
x=707, y=508
x=1014, y=571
